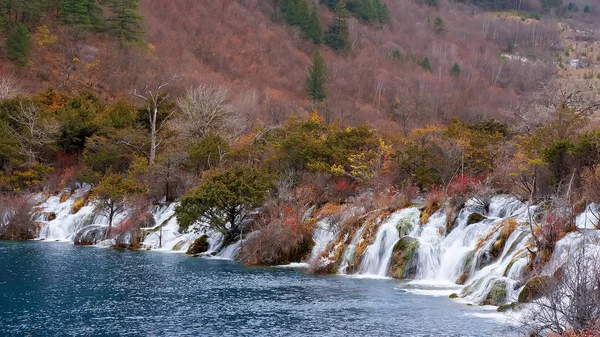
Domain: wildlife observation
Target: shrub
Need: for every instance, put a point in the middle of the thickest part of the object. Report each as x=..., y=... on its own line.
x=16, y=218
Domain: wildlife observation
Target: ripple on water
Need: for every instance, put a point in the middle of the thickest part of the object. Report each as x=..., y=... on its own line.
x=56, y=289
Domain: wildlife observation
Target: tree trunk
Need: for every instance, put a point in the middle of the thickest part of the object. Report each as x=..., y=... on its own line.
x=153, y=136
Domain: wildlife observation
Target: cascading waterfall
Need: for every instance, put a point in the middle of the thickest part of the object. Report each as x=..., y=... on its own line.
x=61, y=222
x=376, y=260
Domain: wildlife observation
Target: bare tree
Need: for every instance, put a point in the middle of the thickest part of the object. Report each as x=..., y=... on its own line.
x=571, y=298
x=9, y=87
x=207, y=109
x=33, y=131
x=154, y=95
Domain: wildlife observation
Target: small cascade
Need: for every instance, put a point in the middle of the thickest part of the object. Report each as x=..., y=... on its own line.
x=348, y=258
x=376, y=259
x=322, y=235
x=62, y=220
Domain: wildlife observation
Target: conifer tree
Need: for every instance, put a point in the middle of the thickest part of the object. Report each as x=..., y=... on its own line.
x=316, y=79
x=126, y=22
x=587, y=9
x=314, y=29
x=455, y=71
x=78, y=12
x=337, y=33
x=439, y=25
x=18, y=44
x=425, y=64
x=291, y=12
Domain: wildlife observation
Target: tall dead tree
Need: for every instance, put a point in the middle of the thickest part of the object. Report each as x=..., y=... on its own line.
x=154, y=95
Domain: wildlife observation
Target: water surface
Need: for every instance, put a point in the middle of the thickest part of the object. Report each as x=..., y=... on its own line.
x=57, y=289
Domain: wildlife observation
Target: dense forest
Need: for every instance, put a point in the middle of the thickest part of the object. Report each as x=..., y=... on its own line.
x=228, y=107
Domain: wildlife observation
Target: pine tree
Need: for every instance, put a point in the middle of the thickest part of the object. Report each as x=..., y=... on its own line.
x=425, y=64
x=314, y=29
x=75, y=12
x=587, y=9
x=383, y=13
x=303, y=15
x=291, y=13
x=439, y=25
x=337, y=33
x=18, y=44
x=126, y=21
x=316, y=79
x=455, y=71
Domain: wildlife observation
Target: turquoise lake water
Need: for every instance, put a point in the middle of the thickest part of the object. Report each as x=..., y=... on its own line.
x=57, y=289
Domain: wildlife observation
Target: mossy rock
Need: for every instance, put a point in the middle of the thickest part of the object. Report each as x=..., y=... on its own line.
x=200, y=245
x=178, y=245
x=497, y=295
x=404, y=226
x=475, y=218
x=453, y=295
x=535, y=288
x=404, y=258
x=506, y=307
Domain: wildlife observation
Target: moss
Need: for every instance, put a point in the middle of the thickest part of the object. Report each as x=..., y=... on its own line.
x=453, y=295
x=77, y=205
x=475, y=218
x=178, y=246
x=506, y=307
x=497, y=295
x=404, y=226
x=403, y=258
x=534, y=288
x=200, y=245
x=466, y=270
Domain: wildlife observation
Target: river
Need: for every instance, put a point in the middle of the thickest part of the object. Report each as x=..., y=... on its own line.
x=57, y=289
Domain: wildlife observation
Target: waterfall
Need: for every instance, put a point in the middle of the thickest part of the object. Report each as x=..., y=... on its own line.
x=61, y=221
x=348, y=258
x=376, y=259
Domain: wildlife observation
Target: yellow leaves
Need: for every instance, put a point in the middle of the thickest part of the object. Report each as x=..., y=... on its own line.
x=314, y=117
x=151, y=47
x=91, y=66
x=337, y=170
x=43, y=37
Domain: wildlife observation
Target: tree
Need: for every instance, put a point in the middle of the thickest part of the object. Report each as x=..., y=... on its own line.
x=154, y=97
x=455, y=71
x=78, y=12
x=587, y=9
x=110, y=194
x=18, y=45
x=337, y=33
x=33, y=130
x=126, y=23
x=206, y=110
x=569, y=300
x=314, y=28
x=224, y=199
x=438, y=25
x=425, y=64
x=316, y=80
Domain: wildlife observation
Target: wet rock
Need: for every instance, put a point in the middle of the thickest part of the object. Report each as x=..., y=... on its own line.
x=497, y=295
x=507, y=307
x=453, y=295
x=200, y=245
x=535, y=288
x=90, y=235
x=475, y=218
x=404, y=258
x=50, y=216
